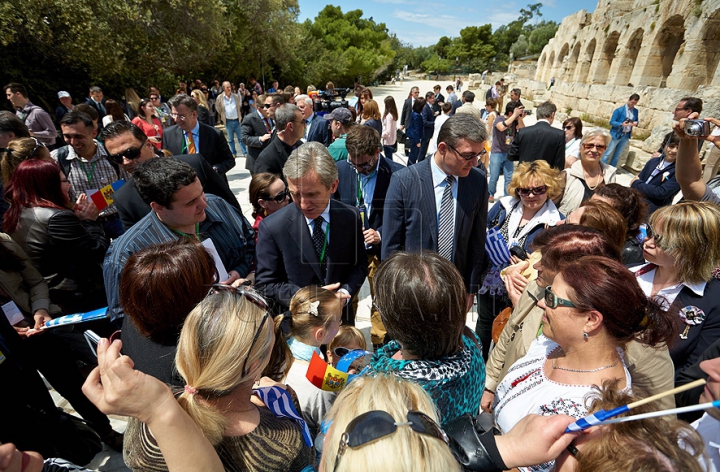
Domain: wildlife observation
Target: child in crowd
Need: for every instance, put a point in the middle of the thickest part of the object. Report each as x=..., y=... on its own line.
x=348, y=338
x=315, y=321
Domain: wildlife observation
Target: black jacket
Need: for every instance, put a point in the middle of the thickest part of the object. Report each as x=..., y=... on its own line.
x=539, y=141
x=251, y=130
x=213, y=146
x=273, y=158
x=132, y=208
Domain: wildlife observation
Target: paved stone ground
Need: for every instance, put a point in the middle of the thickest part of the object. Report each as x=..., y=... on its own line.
x=239, y=179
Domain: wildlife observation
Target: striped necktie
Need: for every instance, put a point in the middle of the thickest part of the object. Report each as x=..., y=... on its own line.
x=190, y=143
x=446, y=228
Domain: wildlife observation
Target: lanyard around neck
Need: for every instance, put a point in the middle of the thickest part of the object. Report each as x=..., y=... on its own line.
x=325, y=243
x=90, y=174
x=187, y=235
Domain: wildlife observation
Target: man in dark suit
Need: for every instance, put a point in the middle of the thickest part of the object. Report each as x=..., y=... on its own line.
x=440, y=204
x=541, y=140
x=128, y=146
x=439, y=100
x=364, y=180
x=407, y=107
x=316, y=240
x=97, y=101
x=317, y=129
x=290, y=128
x=256, y=130
x=189, y=136
x=428, y=116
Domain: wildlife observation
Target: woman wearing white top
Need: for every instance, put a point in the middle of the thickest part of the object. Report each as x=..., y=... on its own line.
x=584, y=330
x=573, y=135
x=389, y=126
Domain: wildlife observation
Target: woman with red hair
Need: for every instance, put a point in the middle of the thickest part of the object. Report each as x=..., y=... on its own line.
x=66, y=245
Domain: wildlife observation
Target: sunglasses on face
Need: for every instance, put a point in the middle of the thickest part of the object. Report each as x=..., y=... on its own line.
x=266, y=106
x=569, y=127
x=377, y=424
x=651, y=234
x=279, y=198
x=537, y=191
x=553, y=301
x=254, y=298
x=153, y=98
x=468, y=157
x=369, y=165
x=599, y=147
x=130, y=154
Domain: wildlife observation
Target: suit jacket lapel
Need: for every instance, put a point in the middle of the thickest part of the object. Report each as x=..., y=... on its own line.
x=428, y=208
x=464, y=195
x=298, y=229
x=205, y=145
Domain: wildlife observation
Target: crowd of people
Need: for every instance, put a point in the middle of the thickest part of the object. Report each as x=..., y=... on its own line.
x=589, y=294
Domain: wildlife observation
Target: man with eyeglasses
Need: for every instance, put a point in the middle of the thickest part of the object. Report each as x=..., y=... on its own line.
x=129, y=147
x=189, y=136
x=539, y=141
x=364, y=179
x=441, y=204
x=290, y=128
x=180, y=209
x=623, y=120
x=684, y=108
x=85, y=163
x=257, y=129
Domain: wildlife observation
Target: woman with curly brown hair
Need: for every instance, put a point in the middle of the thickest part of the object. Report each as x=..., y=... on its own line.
x=631, y=205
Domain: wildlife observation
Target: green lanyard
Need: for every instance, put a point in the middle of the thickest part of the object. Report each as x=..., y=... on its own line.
x=360, y=199
x=325, y=244
x=92, y=169
x=186, y=235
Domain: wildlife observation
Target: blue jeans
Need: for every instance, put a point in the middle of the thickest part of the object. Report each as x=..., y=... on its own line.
x=499, y=160
x=388, y=150
x=615, y=150
x=233, y=130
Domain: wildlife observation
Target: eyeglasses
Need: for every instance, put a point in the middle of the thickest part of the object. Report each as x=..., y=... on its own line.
x=153, y=98
x=681, y=109
x=130, y=154
x=369, y=165
x=279, y=198
x=254, y=298
x=568, y=127
x=465, y=156
x=652, y=234
x=552, y=300
x=599, y=147
x=377, y=424
x=266, y=106
x=38, y=145
x=178, y=116
x=525, y=192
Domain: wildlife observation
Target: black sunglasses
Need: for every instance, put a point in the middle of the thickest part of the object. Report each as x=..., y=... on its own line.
x=279, y=198
x=253, y=297
x=652, y=234
x=377, y=424
x=266, y=106
x=38, y=145
x=525, y=192
x=466, y=157
x=130, y=154
x=341, y=351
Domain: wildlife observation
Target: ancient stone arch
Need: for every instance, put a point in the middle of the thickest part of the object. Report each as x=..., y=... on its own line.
x=541, y=65
x=573, y=61
x=583, y=71
x=560, y=66
x=550, y=69
x=661, y=56
x=710, y=51
x=607, y=56
x=625, y=63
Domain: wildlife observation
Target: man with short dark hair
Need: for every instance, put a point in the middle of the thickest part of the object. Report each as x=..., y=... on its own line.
x=505, y=128
x=180, y=209
x=684, y=108
x=229, y=112
x=363, y=183
x=341, y=120
x=622, y=122
x=313, y=241
x=439, y=100
x=256, y=130
x=515, y=96
x=539, y=141
x=85, y=163
x=273, y=87
x=38, y=121
x=129, y=147
x=440, y=204
x=428, y=119
x=290, y=127
x=97, y=101
x=468, y=107
x=452, y=97
x=189, y=136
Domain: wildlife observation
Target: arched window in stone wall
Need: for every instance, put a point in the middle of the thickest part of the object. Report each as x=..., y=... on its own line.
x=602, y=66
x=560, y=67
x=584, y=68
x=661, y=56
x=628, y=55
x=572, y=64
x=711, y=48
x=550, y=70
x=541, y=67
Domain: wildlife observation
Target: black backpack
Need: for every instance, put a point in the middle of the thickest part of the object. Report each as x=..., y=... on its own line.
x=488, y=94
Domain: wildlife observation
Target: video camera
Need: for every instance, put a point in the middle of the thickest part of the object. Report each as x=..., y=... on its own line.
x=328, y=100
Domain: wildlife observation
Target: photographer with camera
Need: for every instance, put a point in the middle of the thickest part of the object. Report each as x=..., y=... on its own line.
x=688, y=169
x=623, y=120
x=684, y=108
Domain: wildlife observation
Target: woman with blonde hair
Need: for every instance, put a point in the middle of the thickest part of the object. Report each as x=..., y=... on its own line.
x=682, y=252
x=514, y=221
x=371, y=115
x=586, y=174
x=224, y=346
x=19, y=150
x=132, y=103
x=203, y=111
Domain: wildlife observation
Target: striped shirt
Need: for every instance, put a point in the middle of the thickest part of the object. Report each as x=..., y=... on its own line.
x=91, y=174
x=231, y=233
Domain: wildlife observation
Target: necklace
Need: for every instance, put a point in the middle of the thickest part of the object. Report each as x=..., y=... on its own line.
x=597, y=181
x=583, y=370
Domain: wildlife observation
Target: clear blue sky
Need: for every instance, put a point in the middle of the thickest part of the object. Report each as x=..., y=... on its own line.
x=422, y=23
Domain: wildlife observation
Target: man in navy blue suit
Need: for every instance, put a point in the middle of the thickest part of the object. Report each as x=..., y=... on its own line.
x=317, y=129
x=440, y=204
x=364, y=181
x=314, y=241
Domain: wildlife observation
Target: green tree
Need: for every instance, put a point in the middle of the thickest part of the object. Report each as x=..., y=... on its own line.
x=520, y=47
x=541, y=35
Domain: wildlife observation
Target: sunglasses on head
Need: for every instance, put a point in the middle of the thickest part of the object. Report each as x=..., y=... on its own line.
x=553, y=301
x=525, y=192
x=38, y=145
x=130, y=154
x=378, y=424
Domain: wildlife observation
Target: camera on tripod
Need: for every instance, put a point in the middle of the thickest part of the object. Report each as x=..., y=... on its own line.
x=331, y=99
